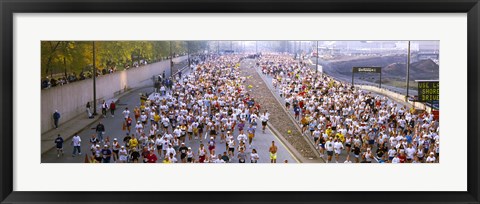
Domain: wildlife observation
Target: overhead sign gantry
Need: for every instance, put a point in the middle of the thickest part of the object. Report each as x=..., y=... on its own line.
x=367, y=70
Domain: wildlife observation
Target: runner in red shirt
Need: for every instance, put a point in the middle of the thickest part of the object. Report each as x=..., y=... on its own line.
x=152, y=158
x=402, y=157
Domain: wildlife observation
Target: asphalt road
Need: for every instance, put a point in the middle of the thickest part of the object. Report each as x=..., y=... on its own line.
x=348, y=79
x=113, y=126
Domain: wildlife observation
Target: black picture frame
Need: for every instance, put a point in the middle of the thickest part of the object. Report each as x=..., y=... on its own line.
x=10, y=7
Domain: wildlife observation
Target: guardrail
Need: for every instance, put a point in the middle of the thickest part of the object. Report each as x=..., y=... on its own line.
x=395, y=95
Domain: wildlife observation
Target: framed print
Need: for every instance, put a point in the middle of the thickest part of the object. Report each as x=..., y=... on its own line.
x=258, y=102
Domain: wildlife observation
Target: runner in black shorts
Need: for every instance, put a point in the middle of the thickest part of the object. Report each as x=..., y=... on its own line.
x=213, y=133
x=200, y=130
x=189, y=155
x=134, y=155
x=264, y=123
x=349, y=145
x=183, y=152
x=356, y=153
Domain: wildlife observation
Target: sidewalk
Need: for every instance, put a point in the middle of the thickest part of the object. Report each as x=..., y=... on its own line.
x=82, y=122
x=77, y=124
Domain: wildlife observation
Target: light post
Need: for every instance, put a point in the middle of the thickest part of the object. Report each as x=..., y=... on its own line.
x=65, y=66
x=295, y=49
x=171, y=60
x=316, y=68
x=408, y=71
x=94, y=82
x=188, y=53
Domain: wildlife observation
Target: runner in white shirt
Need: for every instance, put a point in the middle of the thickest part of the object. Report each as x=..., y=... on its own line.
x=347, y=160
x=396, y=160
x=410, y=151
x=171, y=150
x=338, y=146
x=264, y=119
x=190, y=155
x=165, y=144
x=329, y=147
x=159, y=144
x=213, y=157
x=143, y=118
x=391, y=154
x=76, y=142
x=202, y=153
x=139, y=127
x=431, y=158
x=172, y=158
x=242, y=137
x=231, y=146
x=368, y=156
x=420, y=153
x=218, y=159
x=126, y=113
x=254, y=156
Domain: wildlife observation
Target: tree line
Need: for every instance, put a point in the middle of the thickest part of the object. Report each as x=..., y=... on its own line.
x=73, y=57
x=63, y=58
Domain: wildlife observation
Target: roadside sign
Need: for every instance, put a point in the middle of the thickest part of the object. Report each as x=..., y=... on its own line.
x=428, y=90
x=377, y=70
x=367, y=70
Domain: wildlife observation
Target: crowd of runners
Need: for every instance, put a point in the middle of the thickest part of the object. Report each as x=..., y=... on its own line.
x=210, y=107
x=343, y=120
x=183, y=123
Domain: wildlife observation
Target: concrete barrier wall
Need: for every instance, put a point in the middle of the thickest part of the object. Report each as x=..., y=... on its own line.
x=393, y=95
x=71, y=99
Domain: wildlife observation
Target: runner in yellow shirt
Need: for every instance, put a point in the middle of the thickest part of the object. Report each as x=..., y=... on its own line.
x=133, y=142
x=341, y=137
x=156, y=118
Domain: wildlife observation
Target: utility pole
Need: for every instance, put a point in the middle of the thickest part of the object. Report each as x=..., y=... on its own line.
x=94, y=82
x=408, y=70
x=256, y=46
x=294, y=49
x=316, y=68
x=65, y=66
x=301, y=48
x=218, y=47
x=188, y=53
x=171, y=60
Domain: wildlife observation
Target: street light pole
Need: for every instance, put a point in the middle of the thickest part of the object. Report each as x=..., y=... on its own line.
x=316, y=67
x=171, y=60
x=301, y=49
x=94, y=82
x=408, y=70
x=65, y=66
x=295, y=49
x=188, y=53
